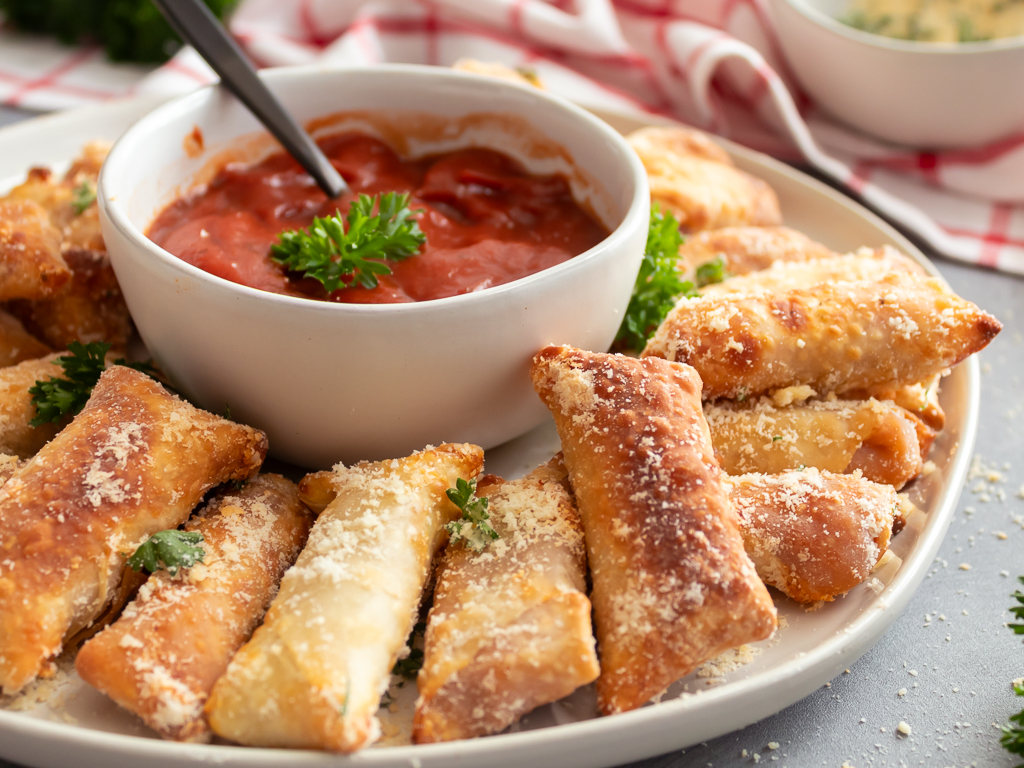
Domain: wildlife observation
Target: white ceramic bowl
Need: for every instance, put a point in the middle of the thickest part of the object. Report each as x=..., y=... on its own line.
x=928, y=95
x=336, y=382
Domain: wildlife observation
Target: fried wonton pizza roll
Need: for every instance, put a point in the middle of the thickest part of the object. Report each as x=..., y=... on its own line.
x=90, y=308
x=813, y=535
x=672, y=585
x=874, y=436
x=509, y=628
x=313, y=674
x=17, y=344
x=17, y=435
x=696, y=180
x=31, y=265
x=832, y=337
x=161, y=658
x=135, y=461
x=921, y=399
x=866, y=264
x=748, y=249
x=56, y=199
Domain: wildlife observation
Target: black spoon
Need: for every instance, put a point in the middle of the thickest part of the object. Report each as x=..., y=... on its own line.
x=198, y=26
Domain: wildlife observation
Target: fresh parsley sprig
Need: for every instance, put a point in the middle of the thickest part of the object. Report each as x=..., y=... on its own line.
x=473, y=528
x=1013, y=733
x=658, y=284
x=340, y=256
x=168, y=550
x=57, y=397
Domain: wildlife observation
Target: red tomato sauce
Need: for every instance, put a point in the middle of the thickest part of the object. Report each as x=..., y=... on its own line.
x=486, y=220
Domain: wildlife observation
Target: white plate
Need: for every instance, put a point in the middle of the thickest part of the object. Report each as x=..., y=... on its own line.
x=811, y=650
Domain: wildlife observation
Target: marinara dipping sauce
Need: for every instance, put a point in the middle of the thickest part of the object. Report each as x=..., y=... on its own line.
x=486, y=220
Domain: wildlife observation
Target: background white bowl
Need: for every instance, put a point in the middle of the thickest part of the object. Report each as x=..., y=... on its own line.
x=929, y=95
x=335, y=382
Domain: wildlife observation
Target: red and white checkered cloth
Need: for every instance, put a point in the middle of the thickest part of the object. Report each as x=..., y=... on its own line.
x=712, y=63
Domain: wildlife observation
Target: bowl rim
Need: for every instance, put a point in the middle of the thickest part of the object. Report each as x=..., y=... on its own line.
x=114, y=212
x=832, y=24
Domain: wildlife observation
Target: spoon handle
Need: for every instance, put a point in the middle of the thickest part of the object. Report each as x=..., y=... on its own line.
x=197, y=25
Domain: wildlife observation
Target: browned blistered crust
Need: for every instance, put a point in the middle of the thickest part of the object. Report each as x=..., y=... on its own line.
x=672, y=584
x=162, y=657
x=312, y=676
x=509, y=628
x=832, y=337
x=89, y=308
x=135, y=461
x=696, y=180
x=865, y=264
x=31, y=266
x=17, y=436
x=16, y=344
x=748, y=249
x=874, y=436
x=813, y=535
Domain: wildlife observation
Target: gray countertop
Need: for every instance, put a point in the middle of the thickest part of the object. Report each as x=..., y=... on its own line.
x=949, y=649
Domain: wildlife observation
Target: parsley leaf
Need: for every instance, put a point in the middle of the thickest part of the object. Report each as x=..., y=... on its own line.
x=473, y=528
x=83, y=196
x=658, y=283
x=55, y=398
x=340, y=256
x=410, y=666
x=711, y=272
x=1013, y=733
x=168, y=550
x=1018, y=610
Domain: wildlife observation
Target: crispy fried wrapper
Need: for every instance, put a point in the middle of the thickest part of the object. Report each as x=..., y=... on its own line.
x=135, y=461
x=696, y=180
x=832, y=337
x=813, y=535
x=874, y=436
x=17, y=344
x=161, y=658
x=509, y=628
x=749, y=249
x=313, y=674
x=31, y=265
x=90, y=308
x=673, y=586
x=865, y=264
x=17, y=435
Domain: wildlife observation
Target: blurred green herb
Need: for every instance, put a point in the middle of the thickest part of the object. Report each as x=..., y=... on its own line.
x=1013, y=733
x=83, y=196
x=168, y=550
x=711, y=272
x=410, y=666
x=340, y=256
x=658, y=284
x=129, y=30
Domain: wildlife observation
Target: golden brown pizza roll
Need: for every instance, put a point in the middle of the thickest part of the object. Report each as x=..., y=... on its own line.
x=672, y=585
x=135, y=461
x=31, y=266
x=876, y=437
x=920, y=399
x=832, y=337
x=749, y=249
x=17, y=435
x=509, y=628
x=696, y=180
x=86, y=167
x=500, y=71
x=17, y=344
x=161, y=658
x=313, y=674
x=90, y=308
x=55, y=198
x=813, y=535
x=866, y=264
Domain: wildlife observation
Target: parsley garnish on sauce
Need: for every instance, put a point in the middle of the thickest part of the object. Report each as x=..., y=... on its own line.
x=57, y=397
x=473, y=528
x=340, y=256
x=658, y=283
x=1013, y=734
x=168, y=550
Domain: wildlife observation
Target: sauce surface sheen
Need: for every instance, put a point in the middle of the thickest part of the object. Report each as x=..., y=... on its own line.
x=486, y=220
